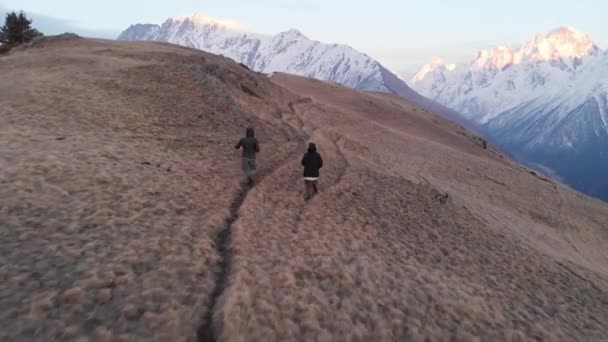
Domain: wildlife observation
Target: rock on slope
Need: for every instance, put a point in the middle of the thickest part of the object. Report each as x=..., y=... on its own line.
x=545, y=102
x=122, y=217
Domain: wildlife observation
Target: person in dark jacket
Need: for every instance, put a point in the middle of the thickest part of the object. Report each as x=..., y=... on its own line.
x=250, y=147
x=312, y=162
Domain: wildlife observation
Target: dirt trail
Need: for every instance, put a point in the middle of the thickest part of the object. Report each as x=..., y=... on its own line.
x=205, y=332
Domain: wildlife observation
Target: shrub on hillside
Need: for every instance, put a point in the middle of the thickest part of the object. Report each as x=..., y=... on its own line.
x=17, y=30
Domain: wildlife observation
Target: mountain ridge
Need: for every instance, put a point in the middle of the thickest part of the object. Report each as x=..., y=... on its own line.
x=289, y=51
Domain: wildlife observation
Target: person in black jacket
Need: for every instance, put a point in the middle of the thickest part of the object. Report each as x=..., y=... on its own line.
x=250, y=147
x=312, y=162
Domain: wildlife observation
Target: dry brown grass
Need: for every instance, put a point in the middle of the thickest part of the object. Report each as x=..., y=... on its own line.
x=118, y=173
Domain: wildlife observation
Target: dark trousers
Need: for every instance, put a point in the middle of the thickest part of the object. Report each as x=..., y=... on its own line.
x=311, y=188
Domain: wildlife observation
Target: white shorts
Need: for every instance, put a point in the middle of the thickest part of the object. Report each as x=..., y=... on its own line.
x=311, y=179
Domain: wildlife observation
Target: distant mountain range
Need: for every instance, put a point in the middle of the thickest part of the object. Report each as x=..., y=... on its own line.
x=545, y=102
x=289, y=52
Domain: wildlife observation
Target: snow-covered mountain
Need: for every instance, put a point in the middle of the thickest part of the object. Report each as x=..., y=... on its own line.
x=289, y=52
x=546, y=102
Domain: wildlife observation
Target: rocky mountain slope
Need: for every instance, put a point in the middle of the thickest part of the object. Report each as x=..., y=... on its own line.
x=122, y=216
x=545, y=102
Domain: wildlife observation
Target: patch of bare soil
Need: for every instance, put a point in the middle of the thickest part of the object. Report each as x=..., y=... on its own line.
x=123, y=216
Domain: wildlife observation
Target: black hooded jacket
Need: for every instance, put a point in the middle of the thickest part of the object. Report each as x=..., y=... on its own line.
x=249, y=144
x=312, y=162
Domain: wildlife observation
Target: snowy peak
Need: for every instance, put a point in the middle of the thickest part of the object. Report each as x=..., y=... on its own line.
x=200, y=19
x=139, y=32
x=549, y=66
x=438, y=64
x=571, y=43
x=495, y=59
x=292, y=34
x=563, y=50
x=562, y=43
x=435, y=67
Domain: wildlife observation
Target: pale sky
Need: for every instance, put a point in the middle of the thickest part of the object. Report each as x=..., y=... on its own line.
x=401, y=34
